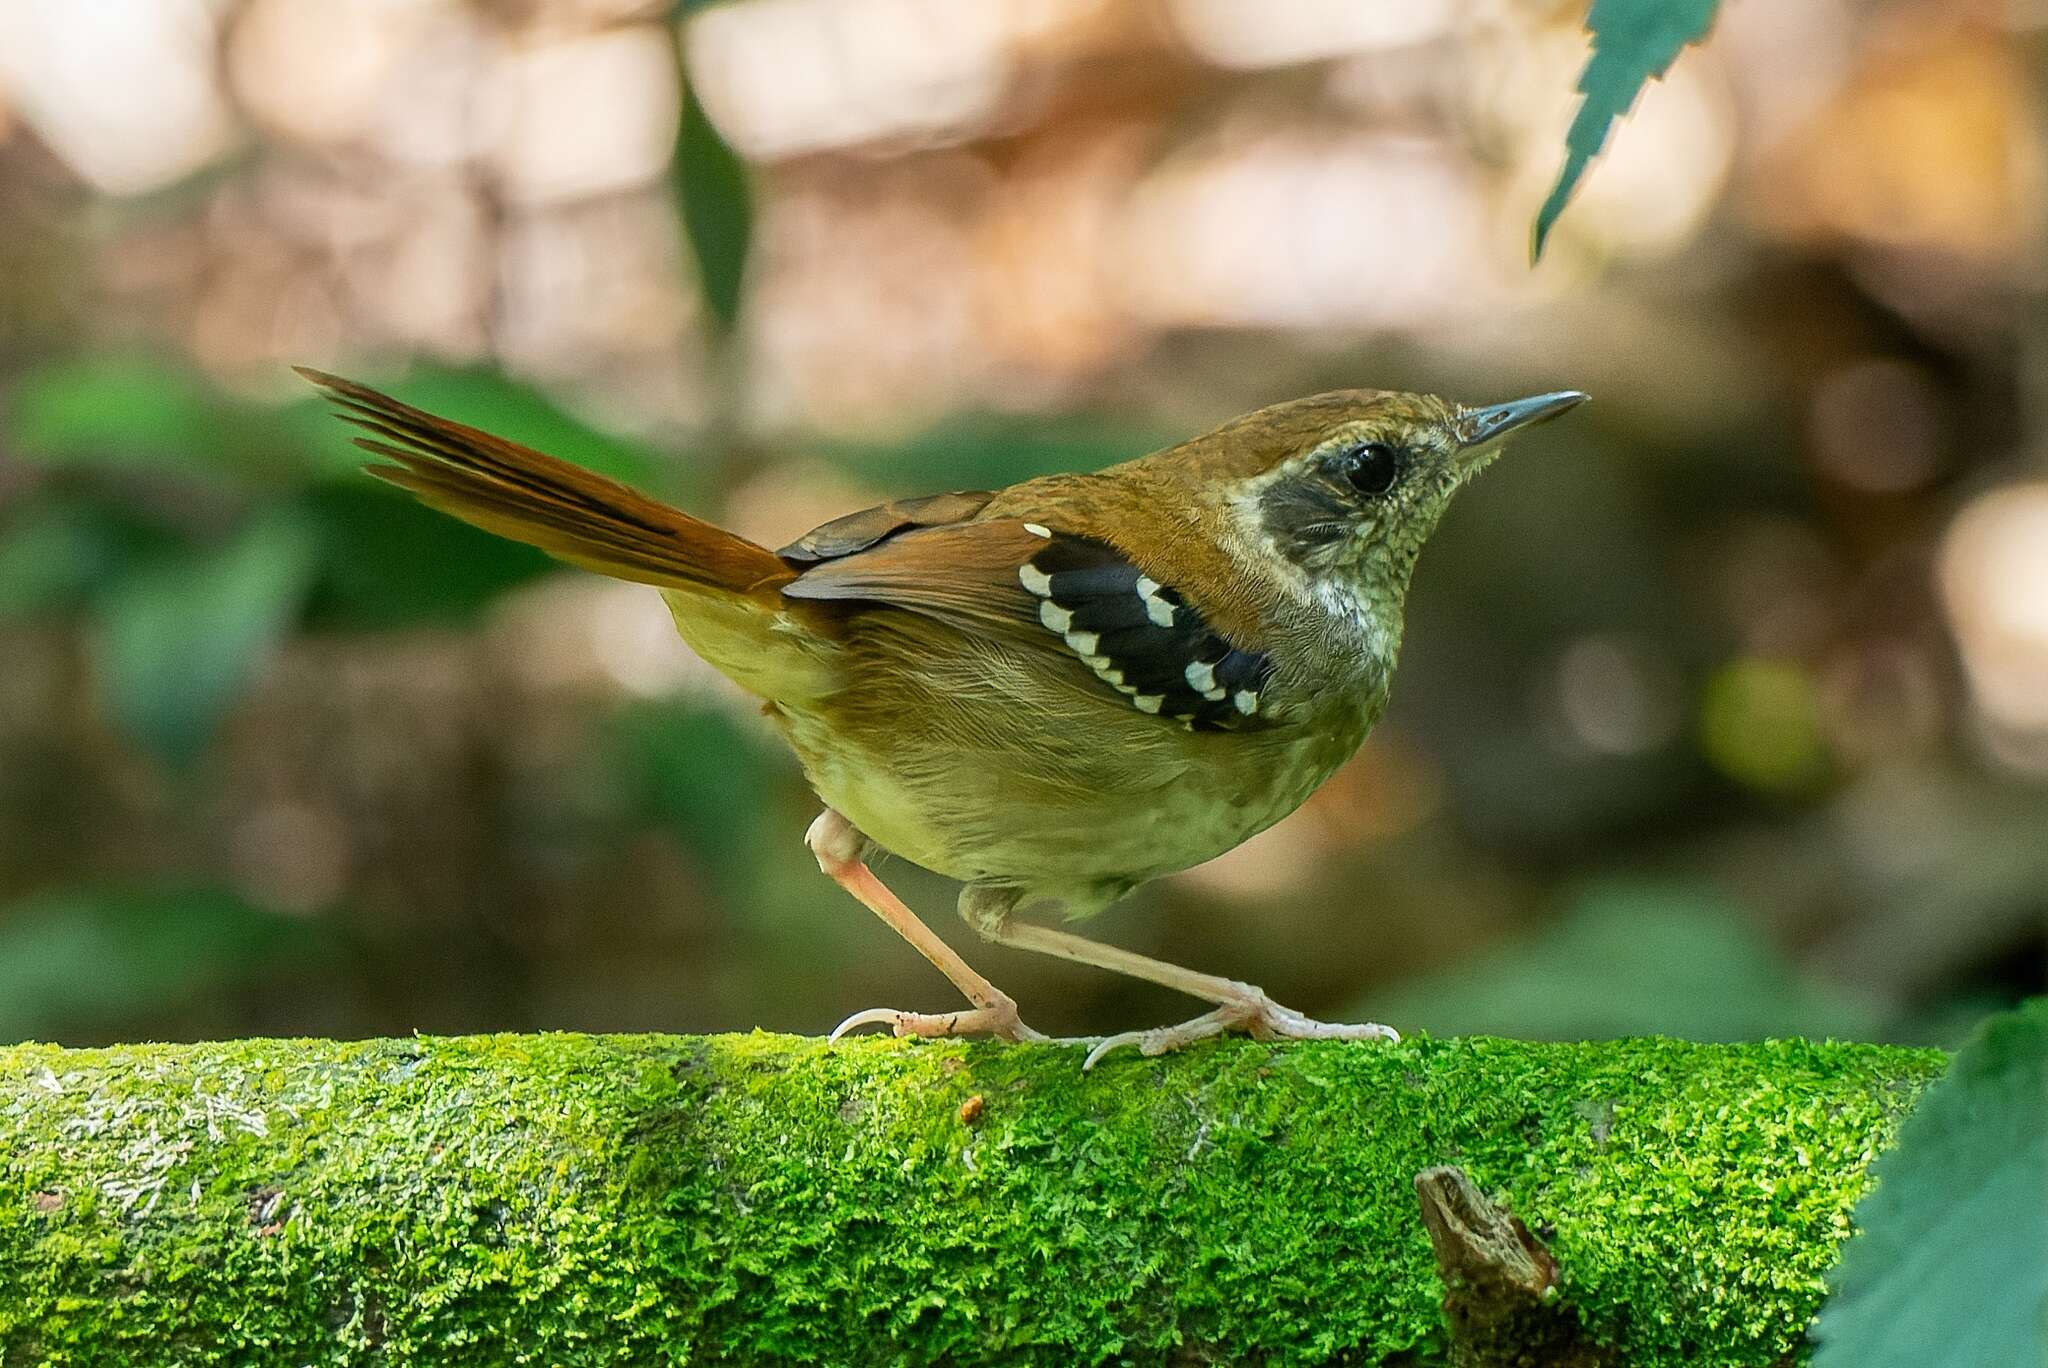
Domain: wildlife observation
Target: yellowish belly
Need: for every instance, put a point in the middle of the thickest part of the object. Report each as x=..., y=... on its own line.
x=1078, y=818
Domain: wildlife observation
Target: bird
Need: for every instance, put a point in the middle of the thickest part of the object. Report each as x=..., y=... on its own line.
x=1053, y=692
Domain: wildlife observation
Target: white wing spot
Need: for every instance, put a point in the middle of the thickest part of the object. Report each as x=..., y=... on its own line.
x=1038, y=530
x=1149, y=702
x=1084, y=643
x=1055, y=617
x=1035, y=579
x=1247, y=702
x=1201, y=676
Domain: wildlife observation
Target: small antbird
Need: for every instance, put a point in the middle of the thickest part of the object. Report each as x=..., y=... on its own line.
x=1052, y=692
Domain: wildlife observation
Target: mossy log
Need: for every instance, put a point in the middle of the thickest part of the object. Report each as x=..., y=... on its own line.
x=762, y=1199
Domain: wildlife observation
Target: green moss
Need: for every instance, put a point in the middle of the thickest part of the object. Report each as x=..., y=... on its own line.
x=752, y=1199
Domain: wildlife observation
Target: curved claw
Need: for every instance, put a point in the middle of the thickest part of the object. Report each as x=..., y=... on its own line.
x=1161, y=1039
x=1108, y=1043
x=873, y=1016
x=1000, y=1022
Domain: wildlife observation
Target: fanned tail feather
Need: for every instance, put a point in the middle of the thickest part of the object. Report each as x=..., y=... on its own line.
x=571, y=513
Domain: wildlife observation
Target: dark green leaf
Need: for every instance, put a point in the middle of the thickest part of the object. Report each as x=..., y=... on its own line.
x=388, y=561
x=718, y=212
x=1633, y=42
x=179, y=639
x=1631, y=958
x=91, y=961
x=1950, y=1262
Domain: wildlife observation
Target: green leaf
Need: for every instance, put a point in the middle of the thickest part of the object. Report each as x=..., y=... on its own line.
x=387, y=560
x=1632, y=957
x=151, y=413
x=1950, y=1262
x=1633, y=42
x=180, y=638
x=112, y=410
x=83, y=960
x=718, y=211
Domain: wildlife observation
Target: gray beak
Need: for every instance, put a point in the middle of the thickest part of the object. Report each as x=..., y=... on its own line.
x=1479, y=430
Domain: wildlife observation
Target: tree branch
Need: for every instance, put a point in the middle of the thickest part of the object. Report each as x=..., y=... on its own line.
x=762, y=1199
x=1501, y=1295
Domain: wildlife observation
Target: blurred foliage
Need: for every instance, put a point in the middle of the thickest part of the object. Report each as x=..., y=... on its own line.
x=990, y=450
x=717, y=210
x=700, y=775
x=283, y=530
x=1949, y=1263
x=1634, y=42
x=56, y=547
x=1631, y=958
x=181, y=637
x=143, y=953
x=386, y=560
x=96, y=415
x=1760, y=723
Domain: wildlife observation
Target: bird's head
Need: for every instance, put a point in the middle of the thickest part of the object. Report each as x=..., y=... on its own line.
x=1347, y=486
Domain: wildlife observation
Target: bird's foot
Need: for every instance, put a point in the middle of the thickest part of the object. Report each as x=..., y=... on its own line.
x=1253, y=1013
x=999, y=1021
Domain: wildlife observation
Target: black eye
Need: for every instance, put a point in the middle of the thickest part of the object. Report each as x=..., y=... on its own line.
x=1371, y=468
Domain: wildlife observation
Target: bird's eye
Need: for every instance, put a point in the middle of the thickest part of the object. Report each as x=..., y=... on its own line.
x=1371, y=468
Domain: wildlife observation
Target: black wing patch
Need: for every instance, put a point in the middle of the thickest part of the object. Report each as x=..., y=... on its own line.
x=859, y=531
x=1141, y=637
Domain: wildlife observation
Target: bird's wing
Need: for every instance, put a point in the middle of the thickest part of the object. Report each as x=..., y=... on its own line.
x=859, y=531
x=1071, y=596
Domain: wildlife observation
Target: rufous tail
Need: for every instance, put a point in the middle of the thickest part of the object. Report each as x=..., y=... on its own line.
x=571, y=513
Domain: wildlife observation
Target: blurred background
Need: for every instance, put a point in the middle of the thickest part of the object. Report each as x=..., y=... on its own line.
x=1724, y=710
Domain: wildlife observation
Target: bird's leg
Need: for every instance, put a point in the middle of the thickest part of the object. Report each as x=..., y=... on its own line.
x=838, y=844
x=1240, y=1006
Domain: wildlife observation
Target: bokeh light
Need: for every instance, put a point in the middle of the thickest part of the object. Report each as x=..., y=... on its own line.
x=1994, y=576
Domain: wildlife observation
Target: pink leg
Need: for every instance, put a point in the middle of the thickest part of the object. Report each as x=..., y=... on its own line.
x=1239, y=1006
x=837, y=844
